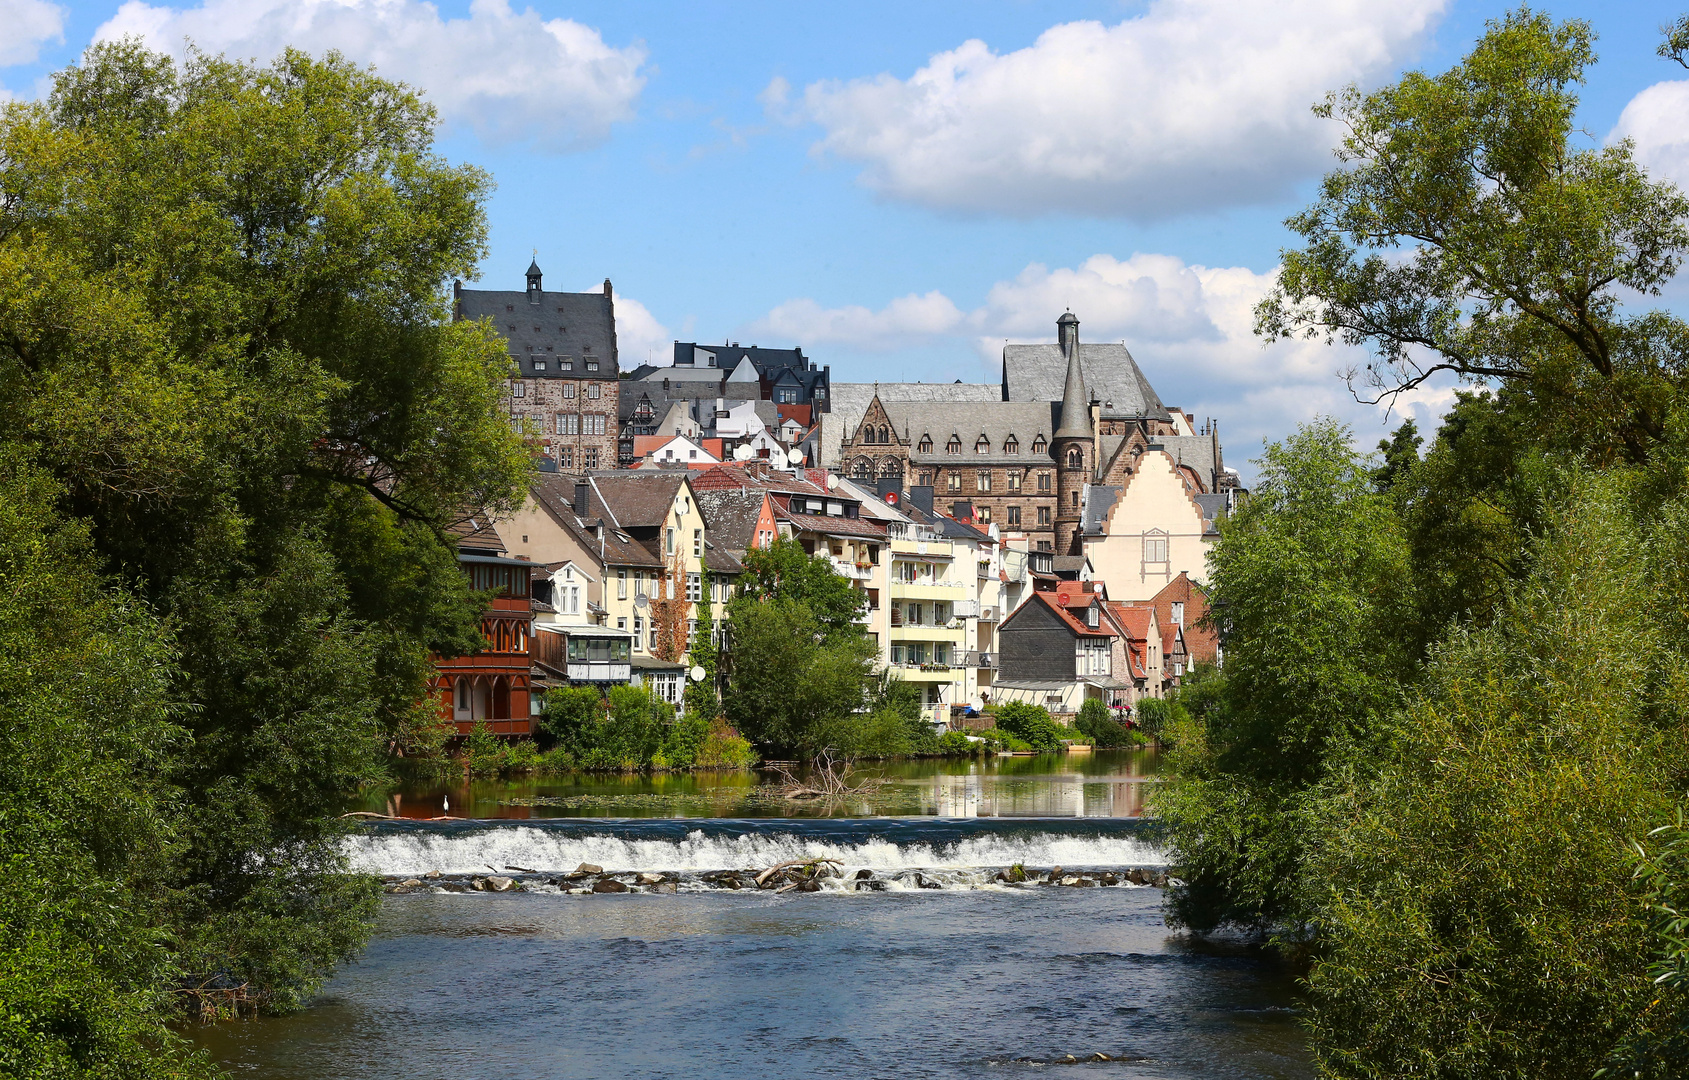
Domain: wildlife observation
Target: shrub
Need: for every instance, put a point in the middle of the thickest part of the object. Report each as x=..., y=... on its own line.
x=1031, y=724
x=723, y=748
x=956, y=744
x=998, y=739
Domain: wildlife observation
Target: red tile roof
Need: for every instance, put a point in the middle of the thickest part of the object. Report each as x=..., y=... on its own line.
x=1073, y=624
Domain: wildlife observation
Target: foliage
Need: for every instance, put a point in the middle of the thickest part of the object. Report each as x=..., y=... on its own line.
x=227, y=359
x=785, y=571
x=1657, y=1043
x=1031, y=724
x=998, y=739
x=956, y=744
x=1096, y=723
x=798, y=687
x=1468, y=865
x=628, y=729
x=1470, y=233
x=1308, y=575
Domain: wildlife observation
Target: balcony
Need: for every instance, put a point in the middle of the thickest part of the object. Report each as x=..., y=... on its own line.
x=903, y=631
x=852, y=571
x=952, y=591
x=988, y=613
x=940, y=673
x=979, y=660
x=596, y=672
x=932, y=549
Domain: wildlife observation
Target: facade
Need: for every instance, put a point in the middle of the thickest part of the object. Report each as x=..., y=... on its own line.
x=565, y=390
x=493, y=687
x=1057, y=650
x=1183, y=604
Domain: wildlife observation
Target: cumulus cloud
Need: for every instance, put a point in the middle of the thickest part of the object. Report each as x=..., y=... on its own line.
x=29, y=25
x=640, y=338
x=506, y=76
x=1656, y=121
x=1192, y=105
x=1190, y=327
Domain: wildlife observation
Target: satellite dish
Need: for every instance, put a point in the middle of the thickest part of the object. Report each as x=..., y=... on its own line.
x=697, y=673
x=891, y=498
x=795, y=456
x=742, y=453
x=832, y=482
x=640, y=602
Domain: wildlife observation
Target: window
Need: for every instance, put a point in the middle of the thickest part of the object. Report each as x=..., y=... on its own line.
x=983, y=514
x=1045, y=545
x=698, y=542
x=1014, y=514
x=694, y=588
x=1014, y=481
x=982, y=445
x=621, y=584
x=955, y=481
x=926, y=444
x=518, y=389
x=568, y=424
x=912, y=614
x=568, y=364
x=594, y=390
x=691, y=633
x=873, y=599
x=621, y=624
x=786, y=396
x=592, y=424
x=954, y=446
x=1155, y=547
x=1039, y=445
x=566, y=458
x=1075, y=500
x=983, y=481
x=1011, y=445
x=1091, y=616
x=592, y=365
x=1075, y=458
x=940, y=614
x=1043, y=481
x=925, y=480
x=589, y=458
x=569, y=391
x=539, y=365
x=1178, y=613
x=668, y=542
x=864, y=469
x=638, y=634
x=1043, y=515
x=653, y=636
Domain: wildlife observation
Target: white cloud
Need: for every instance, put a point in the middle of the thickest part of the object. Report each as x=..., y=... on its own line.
x=892, y=327
x=29, y=25
x=507, y=76
x=1192, y=105
x=1657, y=120
x=1190, y=327
x=640, y=338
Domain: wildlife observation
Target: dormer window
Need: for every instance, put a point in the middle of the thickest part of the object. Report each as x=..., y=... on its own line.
x=592, y=365
x=1011, y=445
x=926, y=444
x=1039, y=445
x=1091, y=617
x=982, y=446
x=539, y=365
x=568, y=364
x=954, y=446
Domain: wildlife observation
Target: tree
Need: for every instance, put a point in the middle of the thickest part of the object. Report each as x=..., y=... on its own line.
x=1031, y=724
x=1309, y=576
x=224, y=335
x=785, y=570
x=1470, y=234
x=1400, y=453
x=793, y=686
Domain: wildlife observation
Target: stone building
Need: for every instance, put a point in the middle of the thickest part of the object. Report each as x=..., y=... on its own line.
x=565, y=386
x=1045, y=456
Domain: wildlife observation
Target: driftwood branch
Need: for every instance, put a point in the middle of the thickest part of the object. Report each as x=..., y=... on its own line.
x=777, y=867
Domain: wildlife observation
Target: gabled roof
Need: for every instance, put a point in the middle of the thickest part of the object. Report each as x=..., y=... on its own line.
x=638, y=499
x=744, y=372
x=968, y=422
x=850, y=402
x=554, y=493
x=1073, y=625
x=731, y=516
x=1112, y=376
x=475, y=535
x=1132, y=619
x=579, y=325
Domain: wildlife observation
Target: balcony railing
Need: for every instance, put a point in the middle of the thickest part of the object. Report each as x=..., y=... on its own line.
x=979, y=660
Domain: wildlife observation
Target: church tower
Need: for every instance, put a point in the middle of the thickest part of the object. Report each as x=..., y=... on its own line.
x=1074, y=444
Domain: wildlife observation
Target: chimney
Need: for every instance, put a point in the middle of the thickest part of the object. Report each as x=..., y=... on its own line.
x=580, y=498
x=921, y=499
x=962, y=511
x=606, y=287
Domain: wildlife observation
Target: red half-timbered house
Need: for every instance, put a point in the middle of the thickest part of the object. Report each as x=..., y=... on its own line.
x=493, y=686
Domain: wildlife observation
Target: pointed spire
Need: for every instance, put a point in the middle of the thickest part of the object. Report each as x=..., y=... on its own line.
x=1075, y=402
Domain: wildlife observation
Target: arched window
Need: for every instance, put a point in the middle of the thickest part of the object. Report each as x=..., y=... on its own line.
x=926, y=444
x=954, y=446
x=982, y=445
x=1075, y=458
x=891, y=467
x=885, y=435
x=1039, y=445
x=867, y=434
x=1011, y=445
x=863, y=469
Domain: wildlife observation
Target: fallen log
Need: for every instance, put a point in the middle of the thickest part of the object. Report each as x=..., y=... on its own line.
x=777, y=867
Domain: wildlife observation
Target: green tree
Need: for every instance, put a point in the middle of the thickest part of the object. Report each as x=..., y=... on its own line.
x=1400, y=453
x=224, y=333
x=1309, y=576
x=786, y=571
x=794, y=686
x=1031, y=724
x=1470, y=233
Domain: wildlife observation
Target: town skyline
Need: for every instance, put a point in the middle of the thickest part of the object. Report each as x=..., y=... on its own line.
x=722, y=166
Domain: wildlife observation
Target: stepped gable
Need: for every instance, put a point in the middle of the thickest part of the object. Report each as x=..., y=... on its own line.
x=1038, y=372
x=851, y=400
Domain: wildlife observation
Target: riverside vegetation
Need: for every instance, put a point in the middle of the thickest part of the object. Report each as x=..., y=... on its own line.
x=1445, y=762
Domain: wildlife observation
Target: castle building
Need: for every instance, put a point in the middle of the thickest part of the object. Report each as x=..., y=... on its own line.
x=565, y=388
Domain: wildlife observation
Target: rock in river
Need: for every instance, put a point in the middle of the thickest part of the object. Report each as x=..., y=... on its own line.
x=588, y=868
x=609, y=884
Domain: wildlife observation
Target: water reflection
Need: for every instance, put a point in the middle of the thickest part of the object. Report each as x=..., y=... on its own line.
x=1107, y=783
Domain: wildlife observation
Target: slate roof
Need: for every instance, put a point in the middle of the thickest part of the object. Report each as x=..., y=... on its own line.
x=850, y=401
x=996, y=420
x=562, y=324
x=1212, y=507
x=638, y=499
x=1039, y=372
x=730, y=516
x=1094, y=509
x=1197, y=451
x=554, y=493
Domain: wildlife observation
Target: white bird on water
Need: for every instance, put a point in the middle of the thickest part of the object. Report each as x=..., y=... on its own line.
x=447, y=807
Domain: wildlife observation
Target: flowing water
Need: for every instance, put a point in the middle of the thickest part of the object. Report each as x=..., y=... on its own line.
x=911, y=958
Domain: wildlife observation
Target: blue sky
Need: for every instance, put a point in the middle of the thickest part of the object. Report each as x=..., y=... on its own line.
x=900, y=187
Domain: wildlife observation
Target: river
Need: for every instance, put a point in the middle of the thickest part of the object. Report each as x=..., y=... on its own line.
x=926, y=967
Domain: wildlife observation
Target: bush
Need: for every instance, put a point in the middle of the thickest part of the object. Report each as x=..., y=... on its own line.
x=1098, y=724
x=956, y=744
x=1031, y=724
x=998, y=739
x=724, y=748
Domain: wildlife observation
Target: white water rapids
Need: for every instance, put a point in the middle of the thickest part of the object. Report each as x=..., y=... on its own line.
x=470, y=852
